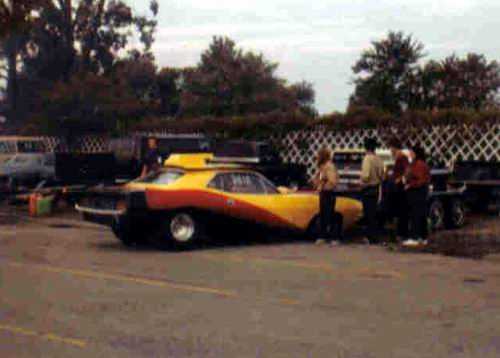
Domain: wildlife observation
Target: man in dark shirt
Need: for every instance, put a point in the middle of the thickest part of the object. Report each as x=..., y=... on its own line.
x=399, y=202
x=152, y=159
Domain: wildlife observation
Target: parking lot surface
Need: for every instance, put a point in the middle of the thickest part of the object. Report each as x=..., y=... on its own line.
x=69, y=289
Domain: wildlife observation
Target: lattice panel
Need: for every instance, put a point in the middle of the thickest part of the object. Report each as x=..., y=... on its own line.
x=88, y=144
x=443, y=143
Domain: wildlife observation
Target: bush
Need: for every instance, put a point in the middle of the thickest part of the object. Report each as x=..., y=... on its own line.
x=276, y=123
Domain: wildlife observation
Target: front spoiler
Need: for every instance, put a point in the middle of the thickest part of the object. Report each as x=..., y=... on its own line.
x=101, y=212
x=135, y=203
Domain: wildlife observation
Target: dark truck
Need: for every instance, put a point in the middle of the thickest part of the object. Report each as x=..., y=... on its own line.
x=264, y=158
x=445, y=203
x=130, y=152
x=481, y=180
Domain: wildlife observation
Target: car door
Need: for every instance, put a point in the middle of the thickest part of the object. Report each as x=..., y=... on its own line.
x=297, y=208
x=244, y=197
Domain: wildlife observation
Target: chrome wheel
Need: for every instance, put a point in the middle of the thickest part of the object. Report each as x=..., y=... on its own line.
x=182, y=228
x=436, y=216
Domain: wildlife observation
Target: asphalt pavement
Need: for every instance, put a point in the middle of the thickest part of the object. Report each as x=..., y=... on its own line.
x=70, y=289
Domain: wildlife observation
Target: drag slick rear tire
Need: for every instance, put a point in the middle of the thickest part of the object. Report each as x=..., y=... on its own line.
x=181, y=231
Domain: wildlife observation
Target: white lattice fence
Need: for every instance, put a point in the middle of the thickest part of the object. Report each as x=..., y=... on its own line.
x=443, y=143
x=88, y=144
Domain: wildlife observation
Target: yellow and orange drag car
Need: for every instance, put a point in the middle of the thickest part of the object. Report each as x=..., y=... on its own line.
x=194, y=195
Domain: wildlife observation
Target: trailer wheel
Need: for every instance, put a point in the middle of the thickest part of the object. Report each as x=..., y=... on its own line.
x=455, y=217
x=436, y=215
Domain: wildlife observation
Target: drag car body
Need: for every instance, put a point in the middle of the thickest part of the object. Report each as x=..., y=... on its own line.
x=190, y=194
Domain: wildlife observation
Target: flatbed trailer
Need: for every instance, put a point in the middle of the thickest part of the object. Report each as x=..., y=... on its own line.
x=446, y=208
x=481, y=180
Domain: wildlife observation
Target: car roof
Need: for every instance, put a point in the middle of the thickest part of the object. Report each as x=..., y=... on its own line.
x=362, y=151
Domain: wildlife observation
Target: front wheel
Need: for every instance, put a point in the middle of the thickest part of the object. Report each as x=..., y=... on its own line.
x=181, y=231
x=122, y=229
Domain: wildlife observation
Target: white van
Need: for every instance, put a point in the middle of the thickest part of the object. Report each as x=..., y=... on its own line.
x=12, y=145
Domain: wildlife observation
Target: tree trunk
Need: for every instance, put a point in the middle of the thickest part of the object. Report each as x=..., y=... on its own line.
x=12, y=87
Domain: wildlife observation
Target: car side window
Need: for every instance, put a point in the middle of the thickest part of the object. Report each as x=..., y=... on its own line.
x=218, y=182
x=4, y=148
x=268, y=186
x=242, y=183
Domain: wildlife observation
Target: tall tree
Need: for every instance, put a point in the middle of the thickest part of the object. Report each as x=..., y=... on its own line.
x=467, y=83
x=229, y=81
x=88, y=35
x=16, y=19
x=138, y=70
x=383, y=69
x=471, y=82
x=170, y=83
x=74, y=37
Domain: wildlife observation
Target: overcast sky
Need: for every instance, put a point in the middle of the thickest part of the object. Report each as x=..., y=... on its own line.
x=319, y=41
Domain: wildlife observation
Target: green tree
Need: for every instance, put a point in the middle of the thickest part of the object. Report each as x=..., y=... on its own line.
x=88, y=103
x=382, y=71
x=16, y=19
x=468, y=83
x=138, y=71
x=471, y=82
x=228, y=81
x=169, y=84
x=75, y=37
x=87, y=35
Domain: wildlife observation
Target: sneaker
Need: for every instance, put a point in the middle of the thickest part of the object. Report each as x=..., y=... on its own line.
x=320, y=242
x=422, y=242
x=334, y=243
x=365, y=241
x=410, y=242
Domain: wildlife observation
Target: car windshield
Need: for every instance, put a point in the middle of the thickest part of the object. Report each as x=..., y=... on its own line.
x=18, y=159
x=162, y=177
x=7, y=148
x=30, y=146
x=348, y=161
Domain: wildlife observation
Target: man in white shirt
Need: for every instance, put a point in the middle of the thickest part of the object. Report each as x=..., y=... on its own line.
x=372, y=175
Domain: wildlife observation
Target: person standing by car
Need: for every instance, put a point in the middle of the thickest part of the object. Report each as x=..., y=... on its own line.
x=417, y=179
x=372, y=175
x=152, y=160
x=397, y=193
x=325, y=182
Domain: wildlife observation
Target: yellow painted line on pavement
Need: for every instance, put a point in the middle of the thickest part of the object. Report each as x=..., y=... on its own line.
x=122, y=278
x=47, y=336
x=155, y=283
